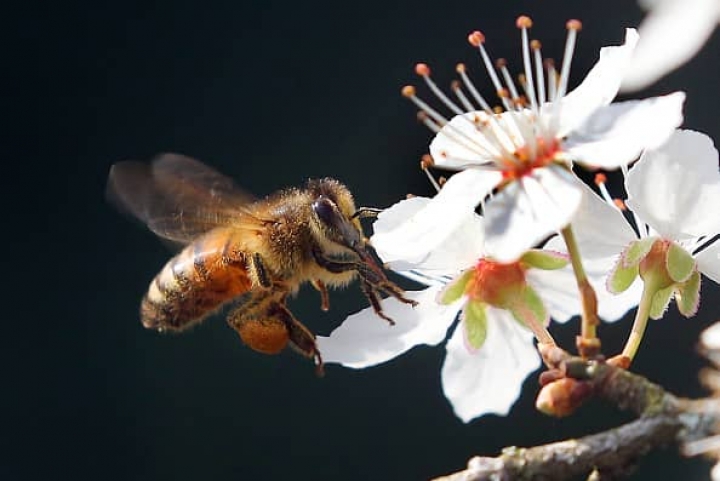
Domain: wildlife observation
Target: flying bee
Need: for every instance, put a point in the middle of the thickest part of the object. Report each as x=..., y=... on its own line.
x=254, y=252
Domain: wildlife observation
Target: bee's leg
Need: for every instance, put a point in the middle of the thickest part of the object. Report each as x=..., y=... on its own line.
x=372, y=296
x=324, y=297
x=258, y=272
x=257, y=327
x=266, y=325
x=301, y=339
x=370, y=275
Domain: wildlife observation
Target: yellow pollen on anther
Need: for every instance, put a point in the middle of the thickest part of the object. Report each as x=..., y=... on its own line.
x=408, y=91
x=620, y=204
x=600, y=178
x=460, y=68
x=500, y=63
x=523, y=21
x=535, y=44
x=455, y=85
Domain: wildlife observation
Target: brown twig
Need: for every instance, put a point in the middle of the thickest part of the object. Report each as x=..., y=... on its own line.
x=663, y=420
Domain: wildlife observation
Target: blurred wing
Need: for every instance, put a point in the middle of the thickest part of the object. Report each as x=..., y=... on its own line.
x=177, y=197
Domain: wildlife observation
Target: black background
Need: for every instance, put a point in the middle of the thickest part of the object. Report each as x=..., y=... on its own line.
x=271, y=93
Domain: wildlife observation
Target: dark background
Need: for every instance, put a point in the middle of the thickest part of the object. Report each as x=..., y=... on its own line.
x=271, y=93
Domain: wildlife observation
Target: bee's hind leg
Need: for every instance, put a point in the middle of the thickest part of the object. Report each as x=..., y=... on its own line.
x=266, y=325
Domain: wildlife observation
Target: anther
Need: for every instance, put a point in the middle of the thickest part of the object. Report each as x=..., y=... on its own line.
x=500, y=63
x=422, y=69
x=574, y=25
x=549, y=63
x=421, y=116
x=503, y=94
x=523, y=21
x=460, y=68
x=535, y=44
x=408, y=91
x=455, y=85
x=476, y=38
x=426, y=161
x=442, y=181
x=619, y=204
x=600, y=178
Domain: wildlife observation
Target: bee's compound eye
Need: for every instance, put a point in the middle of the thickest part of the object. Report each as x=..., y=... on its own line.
x=269, y=336
x=326, y=211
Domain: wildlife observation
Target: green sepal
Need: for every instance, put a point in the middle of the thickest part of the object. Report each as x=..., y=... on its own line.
x=636, y=251
x=680, y=264
x=530, y=304
x=545, y=260
x=455, y=289
x=621, y=278
x=474, y=321
x=688, y=295
x=660, y=301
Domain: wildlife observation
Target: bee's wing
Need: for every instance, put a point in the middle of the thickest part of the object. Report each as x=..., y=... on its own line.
x=177, y=197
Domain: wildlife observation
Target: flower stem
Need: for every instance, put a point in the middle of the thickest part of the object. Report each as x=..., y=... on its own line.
x=588, y=342
x=640, y=323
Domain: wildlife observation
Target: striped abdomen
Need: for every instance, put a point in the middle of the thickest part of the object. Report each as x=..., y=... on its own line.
x=205, y=275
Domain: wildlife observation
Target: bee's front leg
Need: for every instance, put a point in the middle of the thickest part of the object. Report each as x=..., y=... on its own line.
x=373, y=280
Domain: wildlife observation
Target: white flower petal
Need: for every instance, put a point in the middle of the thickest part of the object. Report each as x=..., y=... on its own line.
x=558, y=291
x=599, y=87
x=459, y=144
x=430, y=226
x=365, y=340
x=460, y=249
x=528, y=210
x=669, y=36
x=710, y=337
x=676, y=188
x=489, y=380
x=708, y=261
x=601, y=233
x=616, y=134
x=600, y=230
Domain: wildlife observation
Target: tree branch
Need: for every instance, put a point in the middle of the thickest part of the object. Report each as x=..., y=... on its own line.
x=663, y=420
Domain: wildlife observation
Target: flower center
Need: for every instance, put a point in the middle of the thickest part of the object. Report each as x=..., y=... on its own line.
x=495, y=283
x=525, y=161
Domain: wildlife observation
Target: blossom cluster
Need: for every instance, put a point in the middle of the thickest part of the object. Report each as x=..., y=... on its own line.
x=514, y=239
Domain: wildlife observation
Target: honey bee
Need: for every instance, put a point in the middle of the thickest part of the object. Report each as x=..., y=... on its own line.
x=255, y=252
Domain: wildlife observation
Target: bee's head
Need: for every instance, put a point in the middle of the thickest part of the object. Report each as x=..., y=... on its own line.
x=333, y=209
